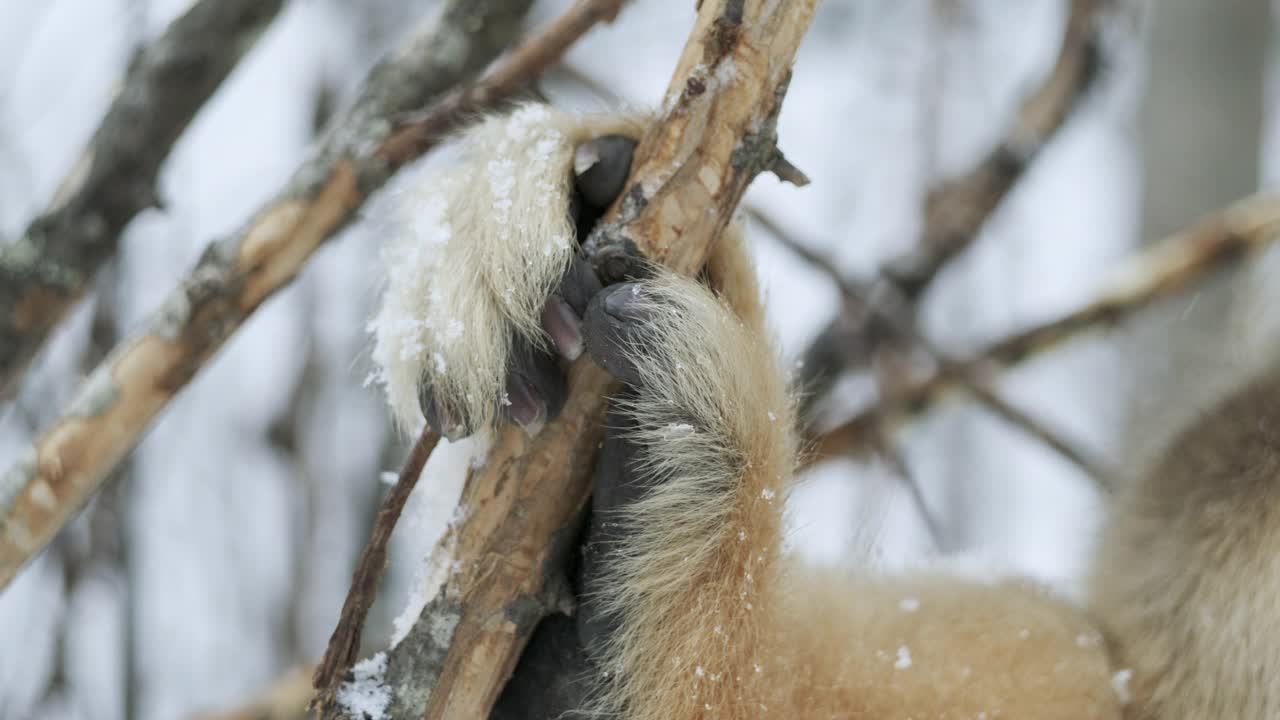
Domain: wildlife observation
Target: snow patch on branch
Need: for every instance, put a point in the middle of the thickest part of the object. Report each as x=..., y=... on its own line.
x=367, y=696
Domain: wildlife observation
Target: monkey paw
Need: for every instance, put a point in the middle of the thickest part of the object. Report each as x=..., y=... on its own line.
x=488, y=283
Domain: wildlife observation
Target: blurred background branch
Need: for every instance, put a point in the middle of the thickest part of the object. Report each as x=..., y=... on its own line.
x=46, y=270
x=956, y=210
x=115, y=405
x=1222, y=241
x=220, y=554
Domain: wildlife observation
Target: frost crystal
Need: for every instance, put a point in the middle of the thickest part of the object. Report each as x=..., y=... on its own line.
x=768, y=494
x=1120, y=683
x=904, y=658
x=678, y=430
x=909, y=604
x=366, y=696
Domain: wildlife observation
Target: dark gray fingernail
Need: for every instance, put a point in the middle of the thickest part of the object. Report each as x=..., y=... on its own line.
x=626, y=302
x=601, y=166
x=525, y=406
x=579, y=284
x=564, y=326
x=610, y=330
x=447, y=423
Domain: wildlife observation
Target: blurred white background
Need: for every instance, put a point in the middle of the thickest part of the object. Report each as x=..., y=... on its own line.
x=217, y=558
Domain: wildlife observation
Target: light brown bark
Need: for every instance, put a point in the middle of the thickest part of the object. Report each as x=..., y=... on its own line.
x=716, y=133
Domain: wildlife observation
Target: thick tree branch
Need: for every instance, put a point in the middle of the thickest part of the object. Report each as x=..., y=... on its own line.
x=115, y=405
x=956, y=211
x=1161, y=270
x=717, y=131
x=48, y=269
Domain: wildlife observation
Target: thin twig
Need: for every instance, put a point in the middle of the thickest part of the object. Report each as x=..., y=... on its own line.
x=344, y=644
x=881, y=301
x=893, y=458
x=956, y=211
x=48, y=269
x=410, y=140
x=235, y=275
x=1163, y=269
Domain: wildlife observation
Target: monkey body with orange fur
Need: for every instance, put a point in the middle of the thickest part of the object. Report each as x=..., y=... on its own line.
x=689, y=605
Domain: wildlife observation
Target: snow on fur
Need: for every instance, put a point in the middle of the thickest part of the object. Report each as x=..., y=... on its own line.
x=472, y=252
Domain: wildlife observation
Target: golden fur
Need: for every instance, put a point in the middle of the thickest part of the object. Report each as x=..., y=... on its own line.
x=715, y=620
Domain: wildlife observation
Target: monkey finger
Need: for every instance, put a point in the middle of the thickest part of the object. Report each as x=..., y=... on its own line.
x=563, y=311
x=579, y=284
x=443, y=420
x=614, y=487
x=600, y=167
x=614, y=326
x=536, y=388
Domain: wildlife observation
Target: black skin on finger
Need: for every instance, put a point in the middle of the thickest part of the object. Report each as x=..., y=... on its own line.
x=601, y=167
x=536, y=387
x=579, y=284
x=562, y=314
x=442, y=420
x=611, y=329
x=614, y=486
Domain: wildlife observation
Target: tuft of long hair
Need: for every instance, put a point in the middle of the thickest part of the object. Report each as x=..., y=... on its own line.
x=472, y=252
x=690, y=588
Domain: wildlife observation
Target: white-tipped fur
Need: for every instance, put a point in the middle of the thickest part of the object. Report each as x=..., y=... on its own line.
x=472, y=254
x=713, y=424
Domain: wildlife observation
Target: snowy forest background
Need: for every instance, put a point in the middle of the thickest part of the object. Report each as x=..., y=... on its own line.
x=216, y=559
